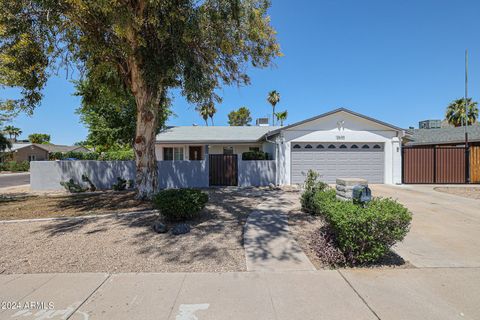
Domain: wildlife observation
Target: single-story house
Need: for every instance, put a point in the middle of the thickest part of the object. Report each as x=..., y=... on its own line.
x=339, y=143
x=37, y=152
x=448, y=136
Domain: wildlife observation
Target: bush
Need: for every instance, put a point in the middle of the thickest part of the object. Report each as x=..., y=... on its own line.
x=72, y=186
x=117, y=155
x=180, y=204
x=15, y=166
x=255, y=155
x=122, y=184
x=310, y=187
x=363, y=233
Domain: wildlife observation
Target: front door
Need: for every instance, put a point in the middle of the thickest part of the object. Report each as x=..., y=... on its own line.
x=195, y=153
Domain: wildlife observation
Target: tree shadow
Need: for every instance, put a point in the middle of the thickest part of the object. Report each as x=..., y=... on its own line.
x=215, y=236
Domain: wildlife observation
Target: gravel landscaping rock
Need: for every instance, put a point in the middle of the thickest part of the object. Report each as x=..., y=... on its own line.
x=181, y=228
x=159, y=227
x=467, y=192
x=126, y=243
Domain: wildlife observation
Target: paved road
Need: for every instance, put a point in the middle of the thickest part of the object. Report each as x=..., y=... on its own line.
x=14, y=179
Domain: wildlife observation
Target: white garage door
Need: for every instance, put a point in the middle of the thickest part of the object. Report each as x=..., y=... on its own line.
x=338, y=160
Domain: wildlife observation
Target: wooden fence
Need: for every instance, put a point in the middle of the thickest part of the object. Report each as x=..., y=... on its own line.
x=475, y=164
x=431, y=164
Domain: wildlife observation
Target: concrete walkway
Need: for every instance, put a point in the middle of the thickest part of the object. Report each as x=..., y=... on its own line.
x=445, y=229
x=439, y=293
x=268, y=244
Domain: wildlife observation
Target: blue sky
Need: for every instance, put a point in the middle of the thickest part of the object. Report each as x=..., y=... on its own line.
x=398, y=61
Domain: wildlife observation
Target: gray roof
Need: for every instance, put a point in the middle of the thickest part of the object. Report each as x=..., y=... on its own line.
x=49, y=147
x=443, y=135
x=333, y=112
x=213, y=134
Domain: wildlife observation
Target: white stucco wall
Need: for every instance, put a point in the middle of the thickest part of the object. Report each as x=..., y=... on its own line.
x=355, y=129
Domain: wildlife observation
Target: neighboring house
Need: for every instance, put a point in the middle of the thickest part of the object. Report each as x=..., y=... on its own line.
x=37, y=152
x=449, y=136
x=339, y=143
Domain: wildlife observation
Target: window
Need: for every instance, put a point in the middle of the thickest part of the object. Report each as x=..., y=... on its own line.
x=377, y=147
x=173, y=153
x=308, y=146
x=320, y=146
x=31, y=158
x=297, y=146
x=254, y=149
x=365, y=146
x=343, y=146
x=331, y=146
x=228, y=150
x=354, y=146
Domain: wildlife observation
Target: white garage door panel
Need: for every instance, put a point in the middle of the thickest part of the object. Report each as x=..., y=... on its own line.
x=332, y=164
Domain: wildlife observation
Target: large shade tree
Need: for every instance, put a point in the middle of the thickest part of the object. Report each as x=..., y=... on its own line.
x=109, y=112
x=457, y=113
x=153, y=45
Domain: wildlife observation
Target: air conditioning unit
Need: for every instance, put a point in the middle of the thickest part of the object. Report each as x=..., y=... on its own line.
x=262, y=122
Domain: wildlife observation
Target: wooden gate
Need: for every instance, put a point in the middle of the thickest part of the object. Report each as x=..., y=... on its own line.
x=475, y=164
x=223, y=169
x=434, y=165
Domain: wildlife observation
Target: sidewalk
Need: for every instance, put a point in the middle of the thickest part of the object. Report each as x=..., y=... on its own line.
x=437, y=293
x=268, y=244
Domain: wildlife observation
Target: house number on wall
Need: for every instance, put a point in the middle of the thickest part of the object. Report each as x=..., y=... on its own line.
x=340, y=137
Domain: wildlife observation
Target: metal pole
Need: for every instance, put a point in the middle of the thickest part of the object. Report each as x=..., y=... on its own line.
x=466, y=98
x=467, y=153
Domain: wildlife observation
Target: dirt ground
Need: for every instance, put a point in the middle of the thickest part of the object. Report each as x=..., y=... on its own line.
x=26, y=206
x=467, y=192
x=126, y=243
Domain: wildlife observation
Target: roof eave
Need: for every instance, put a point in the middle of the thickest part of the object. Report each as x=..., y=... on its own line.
x=326, y=114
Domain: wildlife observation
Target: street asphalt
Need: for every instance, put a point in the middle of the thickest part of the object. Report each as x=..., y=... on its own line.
x=14, y=179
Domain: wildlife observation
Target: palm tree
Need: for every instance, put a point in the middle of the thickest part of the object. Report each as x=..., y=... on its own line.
x=273, y=98
x=10, y=131
x=16, y=133
x=204, y=113
x=455, y=114
x=281, y=116
x=211, y=110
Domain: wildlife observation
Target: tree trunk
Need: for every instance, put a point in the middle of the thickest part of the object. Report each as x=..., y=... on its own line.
x=148, y=108
x=146, y=162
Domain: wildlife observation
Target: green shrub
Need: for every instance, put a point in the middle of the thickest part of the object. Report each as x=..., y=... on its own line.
x=120, y=185
x=310, y=187
x=180, y=204
x=363, y=233
x=72, y=186
x=255, y=155
x=15, y=166
x=117, y=155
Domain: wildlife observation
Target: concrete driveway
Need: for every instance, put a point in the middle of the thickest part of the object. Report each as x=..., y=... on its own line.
x=14, y=179
x=445, y=229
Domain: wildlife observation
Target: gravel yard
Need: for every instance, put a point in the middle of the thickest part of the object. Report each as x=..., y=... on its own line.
x=27, y=206
x=126, y=242
x=467, y=192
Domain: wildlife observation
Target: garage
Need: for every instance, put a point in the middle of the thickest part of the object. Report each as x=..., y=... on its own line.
x=338, y=160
